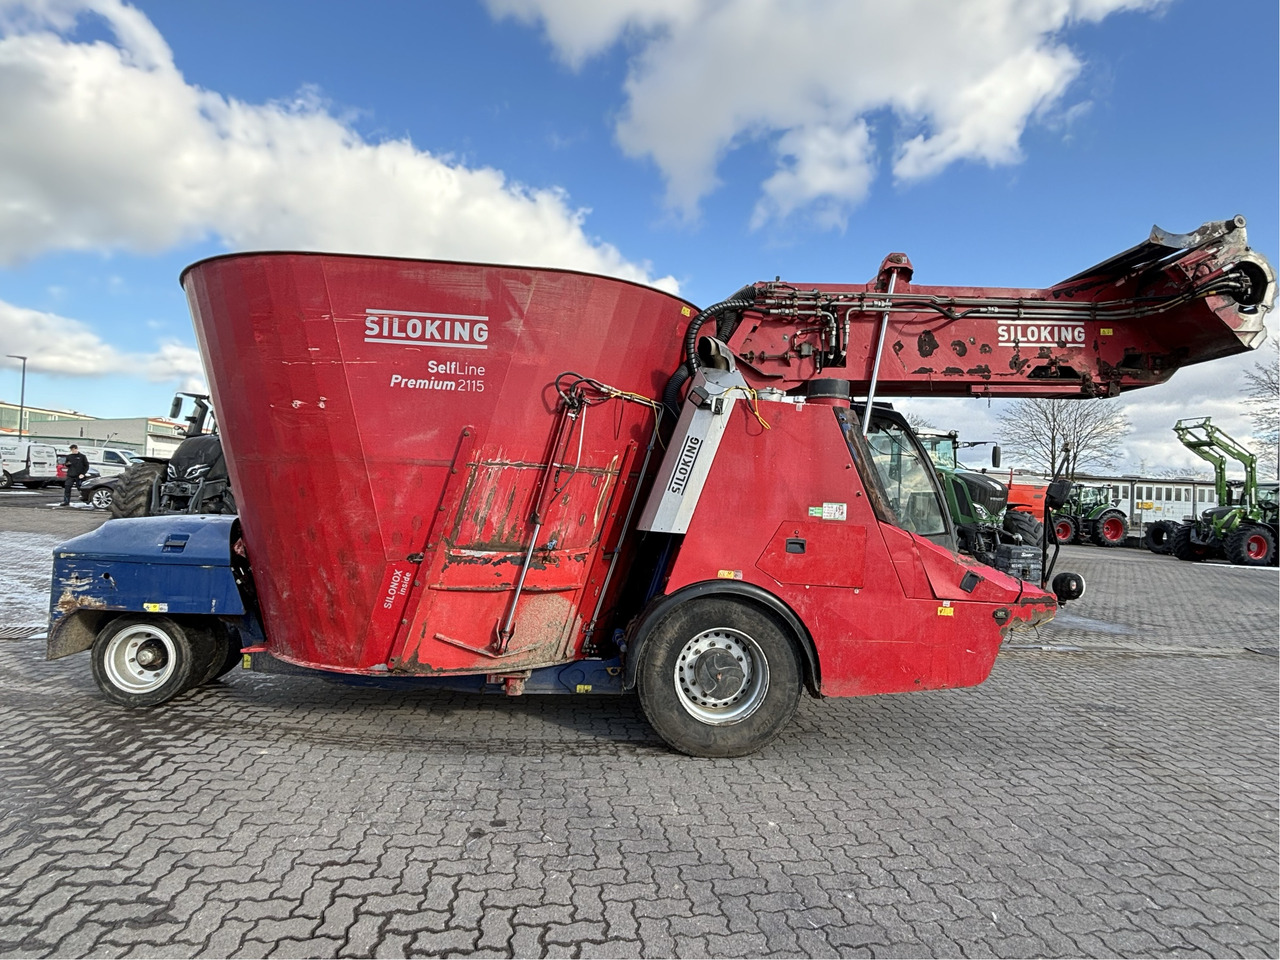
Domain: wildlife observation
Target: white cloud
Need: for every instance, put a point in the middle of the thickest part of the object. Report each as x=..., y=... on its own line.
x=826, y=169
x=963, y=78
x=62, y=346
x=106, y=146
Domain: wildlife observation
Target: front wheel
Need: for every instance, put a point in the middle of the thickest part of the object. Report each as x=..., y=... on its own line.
x=1183, y=547
x=1110, y=529
x=132, y=494
x=145, y=661
x=100, y=498
x=718, y=678
x=1064, y=528
x=1025, y=525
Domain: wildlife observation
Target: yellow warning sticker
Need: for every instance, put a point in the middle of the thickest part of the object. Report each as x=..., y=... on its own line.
x=686, y=311
x=583, y=688
x=729, y=574
x=946, y=611
x=156, y=607
x=1107, y=332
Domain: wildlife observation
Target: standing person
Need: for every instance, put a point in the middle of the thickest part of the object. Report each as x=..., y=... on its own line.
x=77, y=467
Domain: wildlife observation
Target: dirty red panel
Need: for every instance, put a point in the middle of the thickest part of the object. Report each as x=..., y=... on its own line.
x=344, y=385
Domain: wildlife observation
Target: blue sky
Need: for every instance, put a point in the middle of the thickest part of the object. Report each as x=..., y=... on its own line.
x=696, y=144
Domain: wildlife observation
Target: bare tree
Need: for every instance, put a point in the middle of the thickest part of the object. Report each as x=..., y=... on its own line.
x=1038, y=429
x=1262, y=386
x=919, y=422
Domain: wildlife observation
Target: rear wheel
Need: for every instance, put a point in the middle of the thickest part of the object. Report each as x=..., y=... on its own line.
x=100, y=498
x=1025, y=525
x=718, y=678
x=132, y=494
x=144, y=661
x=1252, y=545
x=1182, y=547
x=1064, y=528
x=1110, y=529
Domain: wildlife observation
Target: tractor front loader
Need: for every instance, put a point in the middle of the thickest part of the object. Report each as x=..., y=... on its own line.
x=1242, y=527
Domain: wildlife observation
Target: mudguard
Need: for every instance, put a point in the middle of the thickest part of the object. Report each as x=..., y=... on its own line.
x=173, y=565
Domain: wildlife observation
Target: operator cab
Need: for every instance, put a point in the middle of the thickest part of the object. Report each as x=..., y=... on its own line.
x=907, y=492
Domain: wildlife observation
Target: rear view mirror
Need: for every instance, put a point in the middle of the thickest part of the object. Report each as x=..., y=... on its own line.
x=175, y=408
x=1057, y=494
x=995, y=455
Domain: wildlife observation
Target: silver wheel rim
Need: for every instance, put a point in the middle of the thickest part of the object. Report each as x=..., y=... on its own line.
x=721, y=676
x=140, y=658
x=101, y=499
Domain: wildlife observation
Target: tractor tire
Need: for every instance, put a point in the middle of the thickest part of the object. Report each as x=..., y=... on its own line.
x=1181, y=546
x=1159, y=537
x=132, y=494
x=1025, y=525
x=1252, y=545
x=718, y=678
x=1110, y=529
x=1065, y=529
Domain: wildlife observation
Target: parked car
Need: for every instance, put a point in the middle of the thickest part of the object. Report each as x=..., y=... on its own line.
x=98, y=491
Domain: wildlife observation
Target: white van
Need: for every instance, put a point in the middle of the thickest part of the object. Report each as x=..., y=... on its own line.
x=108, y=461
x=32, y=464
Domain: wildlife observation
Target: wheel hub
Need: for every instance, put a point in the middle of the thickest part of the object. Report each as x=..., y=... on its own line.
x=150, y=656
x=721, y=676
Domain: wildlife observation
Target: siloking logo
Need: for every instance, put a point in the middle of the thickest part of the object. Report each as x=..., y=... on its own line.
x=426, y=329
x=1025, y=333
x=684, y=464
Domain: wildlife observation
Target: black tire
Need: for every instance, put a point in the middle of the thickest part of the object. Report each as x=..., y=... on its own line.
x=144, y=661
x=1066, y=529
x=1252, y=545
x=1159, y=537
x=224, y=651
x=132, y=494
x=1110, y=529
x=1180, y=544
x=1025, y=525
x=6, y=481
x=233, y=657
x=718, y=678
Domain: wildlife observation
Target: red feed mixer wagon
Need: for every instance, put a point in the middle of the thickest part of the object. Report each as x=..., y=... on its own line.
x=533, y=480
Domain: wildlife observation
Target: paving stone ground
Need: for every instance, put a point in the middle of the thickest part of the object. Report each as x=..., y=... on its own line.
x=1118, y=799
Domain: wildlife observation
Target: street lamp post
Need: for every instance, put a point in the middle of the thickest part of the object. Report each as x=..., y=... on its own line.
x=22, y=396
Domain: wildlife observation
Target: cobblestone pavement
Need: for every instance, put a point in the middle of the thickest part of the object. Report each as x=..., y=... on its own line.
x=1118, y=799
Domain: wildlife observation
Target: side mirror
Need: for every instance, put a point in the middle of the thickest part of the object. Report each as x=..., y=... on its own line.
x=995, y=455
x=175, y=408
x=1057, y=493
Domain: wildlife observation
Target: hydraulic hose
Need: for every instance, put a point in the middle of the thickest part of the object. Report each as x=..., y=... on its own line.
x=744, y=299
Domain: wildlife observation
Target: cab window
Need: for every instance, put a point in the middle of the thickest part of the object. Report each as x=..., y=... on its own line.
x=905, y=474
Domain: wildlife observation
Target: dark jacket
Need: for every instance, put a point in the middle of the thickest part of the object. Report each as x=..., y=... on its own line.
x=77, y=465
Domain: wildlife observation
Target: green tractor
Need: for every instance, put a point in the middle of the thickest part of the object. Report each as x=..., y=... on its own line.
x=1242, y=527
x=1091, y=515
x=986, y=527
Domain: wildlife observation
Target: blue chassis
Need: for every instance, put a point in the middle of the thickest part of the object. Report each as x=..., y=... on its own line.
x=181, y=566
